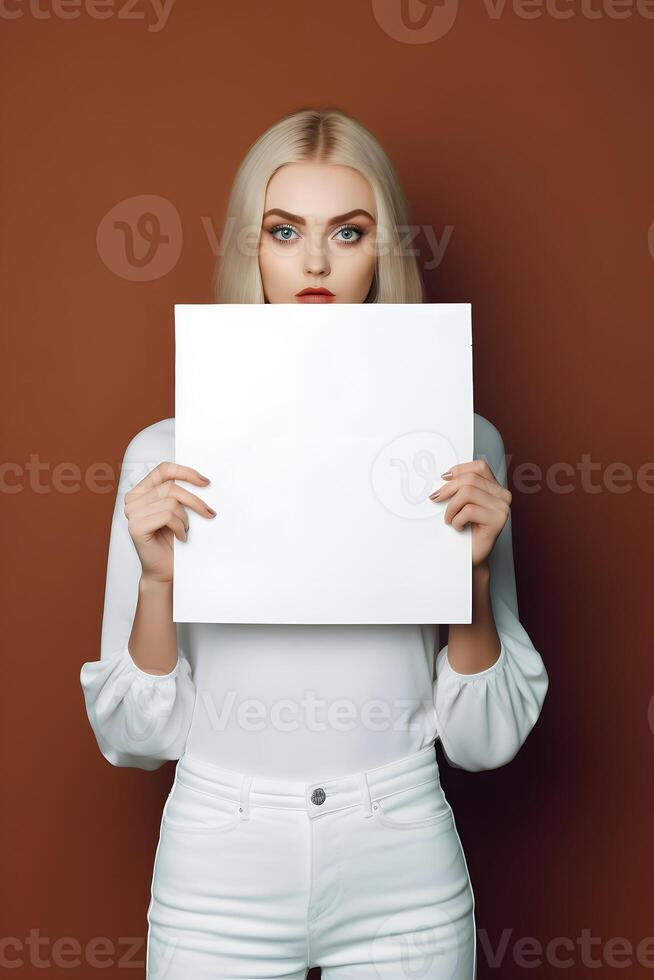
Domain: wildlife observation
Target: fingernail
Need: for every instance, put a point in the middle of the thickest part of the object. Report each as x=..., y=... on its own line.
x=447, y=476
x=432, y=496
x=205, y=478
x=211, y=510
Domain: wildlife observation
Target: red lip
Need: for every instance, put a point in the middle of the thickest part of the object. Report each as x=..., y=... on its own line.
x=310, y=291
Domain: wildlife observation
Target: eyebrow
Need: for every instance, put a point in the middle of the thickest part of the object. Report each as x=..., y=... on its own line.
x=333, y=221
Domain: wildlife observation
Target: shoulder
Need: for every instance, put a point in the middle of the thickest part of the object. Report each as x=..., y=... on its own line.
x=489, y=446
x=148, y=447
x=160, y=436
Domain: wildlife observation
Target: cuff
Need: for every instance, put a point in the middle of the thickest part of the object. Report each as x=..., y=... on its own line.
x=145, y=673
x=443, y=665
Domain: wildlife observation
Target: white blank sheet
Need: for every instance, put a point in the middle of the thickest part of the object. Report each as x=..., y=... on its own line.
x=323, y=429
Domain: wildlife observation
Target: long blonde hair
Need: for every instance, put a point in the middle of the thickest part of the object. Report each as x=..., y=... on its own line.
x=327, y=136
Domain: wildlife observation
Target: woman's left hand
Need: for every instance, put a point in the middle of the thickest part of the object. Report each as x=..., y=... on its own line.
x=475, y=497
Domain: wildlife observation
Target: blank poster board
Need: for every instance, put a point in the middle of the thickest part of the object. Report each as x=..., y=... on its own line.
x=323, y=429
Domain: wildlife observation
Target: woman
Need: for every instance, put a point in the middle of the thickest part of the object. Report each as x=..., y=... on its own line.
x=294, y=836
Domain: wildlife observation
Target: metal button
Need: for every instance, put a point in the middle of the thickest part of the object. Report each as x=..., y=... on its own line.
x=318, y=796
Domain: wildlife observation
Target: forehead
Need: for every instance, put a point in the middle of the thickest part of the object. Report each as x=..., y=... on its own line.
x=319, y=190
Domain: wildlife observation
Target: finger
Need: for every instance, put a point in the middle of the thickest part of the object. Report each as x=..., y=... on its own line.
x=169, y=505
x=465, y=495
x=468, y=513
x=469, y=478
x=144, y=527
x=167, y=470
x=133, y=504
x=479, y=466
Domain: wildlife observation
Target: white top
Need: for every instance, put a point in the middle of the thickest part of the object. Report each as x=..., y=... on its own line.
x=306, y=702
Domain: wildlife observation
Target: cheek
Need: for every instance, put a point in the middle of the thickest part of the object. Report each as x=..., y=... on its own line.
x=270, y=268
x=266, y=256
x=356, y=270
x=276, y=267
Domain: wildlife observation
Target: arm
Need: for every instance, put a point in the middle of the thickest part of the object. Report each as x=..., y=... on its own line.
x=475, y=646
x=483, y=718
x=140, y=712
x=153, y=642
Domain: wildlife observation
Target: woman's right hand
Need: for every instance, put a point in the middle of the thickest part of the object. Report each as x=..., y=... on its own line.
x=155, y=511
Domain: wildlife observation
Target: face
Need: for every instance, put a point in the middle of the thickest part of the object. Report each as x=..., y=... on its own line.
x=317, y=233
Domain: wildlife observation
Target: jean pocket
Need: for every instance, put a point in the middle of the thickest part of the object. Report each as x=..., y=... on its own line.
x=417, y=806
x=190, y=810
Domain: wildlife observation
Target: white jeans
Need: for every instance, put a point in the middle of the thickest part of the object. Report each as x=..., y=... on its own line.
x=363, y=875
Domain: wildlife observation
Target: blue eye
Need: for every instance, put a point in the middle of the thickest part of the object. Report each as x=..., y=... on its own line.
x=283, y=229
x=286, y=233
x=349, y=229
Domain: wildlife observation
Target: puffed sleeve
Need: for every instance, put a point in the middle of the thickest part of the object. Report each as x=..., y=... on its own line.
x=139, y=719
x=484, y=718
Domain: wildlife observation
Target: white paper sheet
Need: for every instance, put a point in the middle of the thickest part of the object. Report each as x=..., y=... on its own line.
x=323, y=428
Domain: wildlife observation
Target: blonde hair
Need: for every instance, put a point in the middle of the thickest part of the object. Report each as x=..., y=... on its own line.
x=326, y=136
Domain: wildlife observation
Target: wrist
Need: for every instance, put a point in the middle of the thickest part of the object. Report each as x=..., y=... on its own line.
x=152, y=586
x=481, y=573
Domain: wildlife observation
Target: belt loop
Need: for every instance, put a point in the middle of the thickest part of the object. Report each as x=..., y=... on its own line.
x=244, y=808
x=365, y=795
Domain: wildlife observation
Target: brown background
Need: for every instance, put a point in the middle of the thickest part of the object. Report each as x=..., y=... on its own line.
x=532, y=138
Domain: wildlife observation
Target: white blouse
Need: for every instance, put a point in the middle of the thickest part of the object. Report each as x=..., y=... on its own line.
x=306, y=702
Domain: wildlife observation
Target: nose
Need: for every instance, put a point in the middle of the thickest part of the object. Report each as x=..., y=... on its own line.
x=316, y=260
